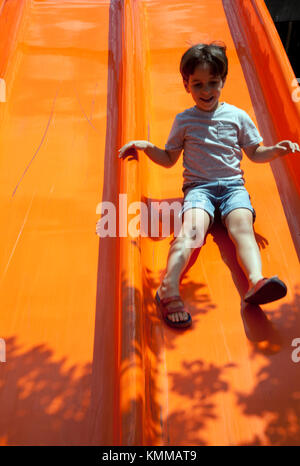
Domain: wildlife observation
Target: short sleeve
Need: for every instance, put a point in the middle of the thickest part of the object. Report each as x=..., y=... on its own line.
x=176, y=136
x=248, y=133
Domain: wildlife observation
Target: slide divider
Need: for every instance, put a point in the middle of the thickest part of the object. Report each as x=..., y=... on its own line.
x=11, y=13
x=130, y=328
x=10, y=16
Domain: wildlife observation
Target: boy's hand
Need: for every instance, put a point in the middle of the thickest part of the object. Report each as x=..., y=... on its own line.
x=131, y=147
x=286, y=147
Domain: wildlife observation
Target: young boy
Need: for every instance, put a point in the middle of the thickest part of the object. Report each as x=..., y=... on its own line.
x=212, y=135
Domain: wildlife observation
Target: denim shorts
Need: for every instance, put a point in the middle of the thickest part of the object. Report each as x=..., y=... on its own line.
x=220, y=197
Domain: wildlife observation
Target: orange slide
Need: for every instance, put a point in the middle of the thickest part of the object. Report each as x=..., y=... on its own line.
x=84, y=357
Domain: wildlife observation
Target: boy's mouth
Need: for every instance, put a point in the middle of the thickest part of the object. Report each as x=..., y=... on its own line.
x=206, y=100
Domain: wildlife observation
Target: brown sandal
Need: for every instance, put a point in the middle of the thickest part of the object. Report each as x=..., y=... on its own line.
x=165, y=311
x=266, y=290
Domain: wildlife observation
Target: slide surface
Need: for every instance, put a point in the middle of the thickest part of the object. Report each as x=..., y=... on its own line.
x=85, y=358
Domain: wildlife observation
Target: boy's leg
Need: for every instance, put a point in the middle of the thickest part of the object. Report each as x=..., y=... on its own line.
x=239, y=223
x=192, y=234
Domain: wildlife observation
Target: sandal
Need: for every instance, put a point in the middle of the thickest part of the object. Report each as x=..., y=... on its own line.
x=165, y=311
x=266, y=290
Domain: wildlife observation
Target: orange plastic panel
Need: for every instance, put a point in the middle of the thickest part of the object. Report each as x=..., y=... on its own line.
x=88, y=360
x=52, y=147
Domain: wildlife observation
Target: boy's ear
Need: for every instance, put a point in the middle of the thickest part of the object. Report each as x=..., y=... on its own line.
x=223, y=81
x=186, y=85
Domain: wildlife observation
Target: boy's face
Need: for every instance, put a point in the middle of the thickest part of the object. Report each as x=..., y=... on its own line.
x=205, y=88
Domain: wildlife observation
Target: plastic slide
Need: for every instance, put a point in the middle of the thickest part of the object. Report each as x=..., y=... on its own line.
x=84, y=356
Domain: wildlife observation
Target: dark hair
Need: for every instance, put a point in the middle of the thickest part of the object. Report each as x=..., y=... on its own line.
x=213, y=54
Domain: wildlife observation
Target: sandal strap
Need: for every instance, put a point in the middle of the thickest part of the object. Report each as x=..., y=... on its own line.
x=165, y=310
x=171, y=299
x=173, y=310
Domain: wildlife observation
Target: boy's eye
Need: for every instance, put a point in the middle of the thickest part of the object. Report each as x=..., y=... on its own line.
x=210, y=83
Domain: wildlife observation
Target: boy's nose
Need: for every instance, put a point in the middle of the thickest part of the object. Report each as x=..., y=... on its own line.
x=206, y=89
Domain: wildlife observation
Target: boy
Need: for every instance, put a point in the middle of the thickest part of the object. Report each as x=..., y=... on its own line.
x=212, y=135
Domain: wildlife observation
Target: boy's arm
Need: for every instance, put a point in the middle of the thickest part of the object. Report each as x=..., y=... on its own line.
x=262, y=154
x=157, y=155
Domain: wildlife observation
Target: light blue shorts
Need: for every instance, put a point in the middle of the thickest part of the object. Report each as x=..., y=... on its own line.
x=217, y=197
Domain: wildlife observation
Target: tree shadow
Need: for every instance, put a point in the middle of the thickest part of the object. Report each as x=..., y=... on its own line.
x=276, y=395
x=277, y=391
x=42, y=402
x=198, y=381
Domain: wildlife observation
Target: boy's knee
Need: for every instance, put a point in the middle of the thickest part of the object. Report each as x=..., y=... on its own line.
x=241, y=227
x=239, y=222
x=190, y=238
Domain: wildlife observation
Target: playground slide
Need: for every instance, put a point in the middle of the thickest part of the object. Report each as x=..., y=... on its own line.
x=85, y=358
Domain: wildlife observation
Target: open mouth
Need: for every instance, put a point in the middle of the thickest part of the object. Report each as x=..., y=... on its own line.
x=210, y=99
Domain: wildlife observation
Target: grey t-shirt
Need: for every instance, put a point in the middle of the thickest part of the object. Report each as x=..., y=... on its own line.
x=212, y=142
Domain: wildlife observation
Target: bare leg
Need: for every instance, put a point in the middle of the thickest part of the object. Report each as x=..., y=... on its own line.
x=239, y=223
x=191, y=236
